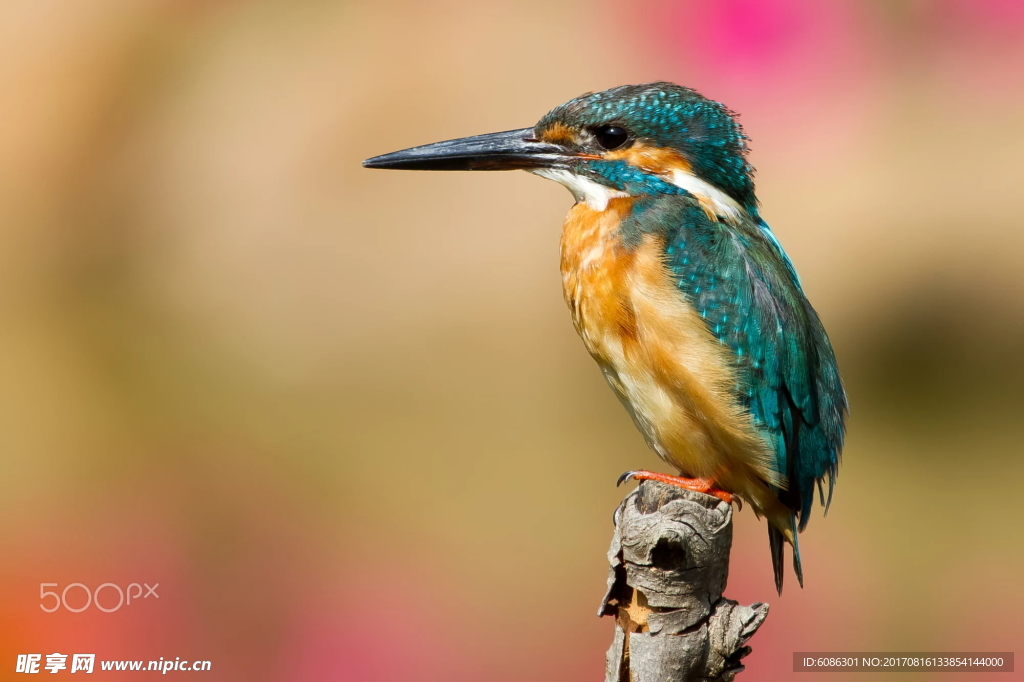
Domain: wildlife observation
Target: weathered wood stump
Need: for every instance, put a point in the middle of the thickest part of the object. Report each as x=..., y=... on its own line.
x=669, y=564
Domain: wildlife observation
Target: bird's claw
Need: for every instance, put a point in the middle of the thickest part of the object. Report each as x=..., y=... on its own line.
x=625, y=477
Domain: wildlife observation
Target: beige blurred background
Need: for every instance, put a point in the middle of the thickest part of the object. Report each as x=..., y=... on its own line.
x=341, y=415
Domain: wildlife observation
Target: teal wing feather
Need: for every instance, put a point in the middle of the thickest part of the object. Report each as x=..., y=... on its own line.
x=745, y=287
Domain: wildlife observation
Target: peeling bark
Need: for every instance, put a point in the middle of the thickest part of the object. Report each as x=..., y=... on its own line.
x=669, y=561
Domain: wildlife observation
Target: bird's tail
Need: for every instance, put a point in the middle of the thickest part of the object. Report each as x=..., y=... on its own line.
x=777, y=541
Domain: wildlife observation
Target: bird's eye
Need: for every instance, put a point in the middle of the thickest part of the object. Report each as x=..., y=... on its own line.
x=611, y=137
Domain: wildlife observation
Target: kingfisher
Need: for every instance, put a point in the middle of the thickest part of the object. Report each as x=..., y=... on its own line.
x=683, y=295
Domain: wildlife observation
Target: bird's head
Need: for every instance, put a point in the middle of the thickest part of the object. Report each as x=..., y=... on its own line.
x=633, y=140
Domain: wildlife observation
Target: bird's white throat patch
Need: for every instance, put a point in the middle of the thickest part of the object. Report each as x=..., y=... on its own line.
x=596, y=196
x=593, y=194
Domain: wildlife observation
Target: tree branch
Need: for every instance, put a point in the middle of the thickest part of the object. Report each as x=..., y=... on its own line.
x=669, y=562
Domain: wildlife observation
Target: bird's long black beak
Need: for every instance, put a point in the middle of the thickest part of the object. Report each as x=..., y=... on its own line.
x=511, y=150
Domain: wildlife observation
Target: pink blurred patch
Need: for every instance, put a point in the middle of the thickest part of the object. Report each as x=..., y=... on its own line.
x=832, y=612
x=225, y=546
x=806, y=73
x=386, y=621
x=83, y=548
x=991, y=15
x=975, y=48
x=385, y=630
x=767, y=44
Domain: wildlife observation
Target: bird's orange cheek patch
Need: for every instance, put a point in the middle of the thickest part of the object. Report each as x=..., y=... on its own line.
x=655, y=160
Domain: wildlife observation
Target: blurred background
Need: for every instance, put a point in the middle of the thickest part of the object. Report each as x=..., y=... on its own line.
x=341, y=416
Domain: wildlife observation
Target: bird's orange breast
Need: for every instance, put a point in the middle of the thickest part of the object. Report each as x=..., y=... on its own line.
x=596, y=268
x=675, y=378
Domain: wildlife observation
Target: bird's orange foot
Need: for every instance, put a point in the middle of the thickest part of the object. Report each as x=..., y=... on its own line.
x=700, y=485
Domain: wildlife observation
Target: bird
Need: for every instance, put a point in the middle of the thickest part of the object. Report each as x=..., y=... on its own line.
x=683, y=295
